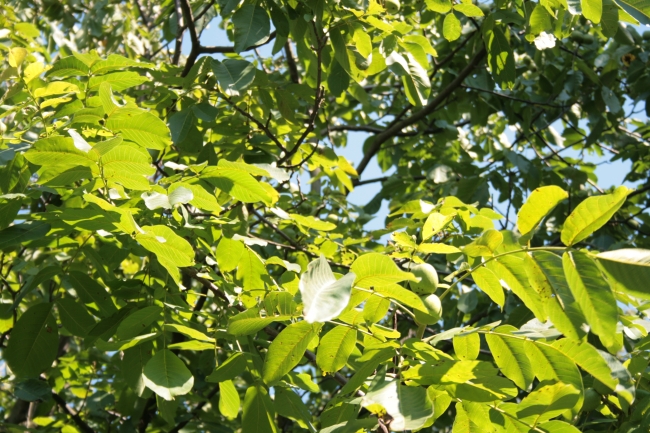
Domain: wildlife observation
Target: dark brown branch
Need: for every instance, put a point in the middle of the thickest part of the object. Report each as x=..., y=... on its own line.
x=293, y=68
x=179, y=33
x=252, y=118
x=391, y=132
x=144, y=17
x=227, y=49
x=75, y=417
x=513, y=98
x=318, y=99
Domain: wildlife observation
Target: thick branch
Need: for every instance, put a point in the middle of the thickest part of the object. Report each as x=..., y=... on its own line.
x=392, y=131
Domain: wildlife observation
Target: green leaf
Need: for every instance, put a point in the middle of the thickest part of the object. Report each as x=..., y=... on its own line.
x=234, y=75
x=33, y=343
x=335, y=348
x=133, y=362
x=416, y=82
x=287, y=349
x=91, y=292
x=489, y=283
x=377, y=270
x=235, y=180
x=167, y=376
x=557, y=426
x=486, y=245
x=545, y=273
x=171, y=250
x=250, y=321
x=511, y=269
x=115, y=62
x=467, y=346
x=312, y=222
x=74, y=317
x=592, y=10
x=251, y=271
x=185, y=330
x=434, y=223
x=60, y=151
x=128, y=166
x=639, y=9
x=588, y=358
x=469, y=10
x=409, y=407
x=540, y=21
x=552, y=365
x=138, y=321
x=324, y=297
x=109, y=104
x=451, y=27
x=252, y=27
x=593, y=295
x=401, y=295
x=547, y=402
x=229, y=252
x=440, y=6
x=463, y=423
x=592, y=214
x=118, y=80
x=142, y=128
x=539, y=204
x=68, y=67
x=231, y=368
x=290, y=405
x=21, y=233
x=629, y=269
x=483, y=390
x=258, y=411
x=510, y=356
x=56, y=88
x=500, y=56
x=229, y=401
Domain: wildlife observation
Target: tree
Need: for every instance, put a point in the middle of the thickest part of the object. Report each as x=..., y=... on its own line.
x=164, y=267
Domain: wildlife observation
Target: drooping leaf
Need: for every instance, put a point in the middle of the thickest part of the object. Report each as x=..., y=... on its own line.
x=234, y=75
x=335, y=348
x=229, y=401
x=323, y=296
x=252, y=26
x=539, y=204
x=287, y=349
x=510, y=355
x=135, y=323
x=592, y=214
x=629, y=268
x=258, y=411
x=467, y=346
x=376, y=270
x=167, y=376
x=34, y=342
x=142, y=128
x=250, y=321
x=594, y=296
x=489, y=283
x=409, y=407
x=74, y=317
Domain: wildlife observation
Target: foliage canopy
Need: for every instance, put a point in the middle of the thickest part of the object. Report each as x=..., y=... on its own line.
x=163, y=266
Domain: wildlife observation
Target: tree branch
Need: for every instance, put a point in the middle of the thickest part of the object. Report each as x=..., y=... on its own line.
x=75, y=417
x=392, y=131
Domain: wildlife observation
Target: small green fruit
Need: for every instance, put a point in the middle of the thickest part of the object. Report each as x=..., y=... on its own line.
x=428, y=279
x=392, y=6
x=433, y=313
